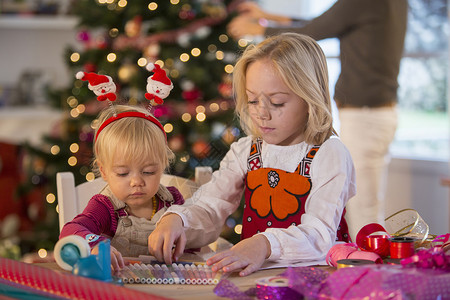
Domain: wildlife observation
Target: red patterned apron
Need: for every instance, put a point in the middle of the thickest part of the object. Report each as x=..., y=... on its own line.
x=276, y=198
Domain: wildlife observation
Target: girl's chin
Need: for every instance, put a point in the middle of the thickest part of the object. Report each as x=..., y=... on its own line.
x=270, y=139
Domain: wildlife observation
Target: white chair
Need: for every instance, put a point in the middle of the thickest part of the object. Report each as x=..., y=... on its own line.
x=73, y=199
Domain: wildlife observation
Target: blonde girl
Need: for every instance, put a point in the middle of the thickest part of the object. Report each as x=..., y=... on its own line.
x=295, y=174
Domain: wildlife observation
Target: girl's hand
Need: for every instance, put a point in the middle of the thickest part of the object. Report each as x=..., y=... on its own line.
x=117, y=262
x=168, y=234
x=248, y=255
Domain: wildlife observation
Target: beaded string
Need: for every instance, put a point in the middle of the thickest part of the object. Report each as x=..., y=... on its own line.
x=155, y=204
x=154, y=208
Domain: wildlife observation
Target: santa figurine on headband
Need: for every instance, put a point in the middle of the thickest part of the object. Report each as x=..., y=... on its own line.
x=102, y=85
x=158, y=85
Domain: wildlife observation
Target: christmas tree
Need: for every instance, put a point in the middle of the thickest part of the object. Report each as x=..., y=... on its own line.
x=120, y=38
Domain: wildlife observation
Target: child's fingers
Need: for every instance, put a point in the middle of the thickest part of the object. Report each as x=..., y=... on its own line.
x=120, y=260
x=179, y=247
x=155, y=245
x=94, y=251
x=117, y=261
x=223, y=263
x=114, y=263
x=215, y=258
x=158, y=252
x=168, y=250
x=235, y=264
x=248, y=270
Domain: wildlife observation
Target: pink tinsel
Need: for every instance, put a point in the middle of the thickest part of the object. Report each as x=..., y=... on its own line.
x=434, y=258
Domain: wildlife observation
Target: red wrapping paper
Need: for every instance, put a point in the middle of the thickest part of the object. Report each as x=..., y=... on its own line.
x=55, y=284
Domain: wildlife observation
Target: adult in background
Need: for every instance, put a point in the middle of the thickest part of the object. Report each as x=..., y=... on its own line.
x=371, y=35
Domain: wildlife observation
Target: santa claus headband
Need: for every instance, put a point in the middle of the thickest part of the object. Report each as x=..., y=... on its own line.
x=132, y=114
x=159, y=74
x=93, y=79
x=96, y=79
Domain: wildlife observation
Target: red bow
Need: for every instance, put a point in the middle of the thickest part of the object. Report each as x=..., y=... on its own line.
x=108, y=96
x=157, y=99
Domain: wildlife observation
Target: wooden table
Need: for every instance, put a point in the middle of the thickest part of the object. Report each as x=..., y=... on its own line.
x=196, y=292
x=178, y=291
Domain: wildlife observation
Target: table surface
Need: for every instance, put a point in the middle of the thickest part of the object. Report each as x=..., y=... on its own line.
x=185, y=291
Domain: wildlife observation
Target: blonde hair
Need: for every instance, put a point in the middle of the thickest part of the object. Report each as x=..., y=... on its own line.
x=131, y=137
x=302, y=66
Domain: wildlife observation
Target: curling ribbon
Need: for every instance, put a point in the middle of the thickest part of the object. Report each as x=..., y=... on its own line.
x=275, y=288
x=442, y=241
x=374, y=238
x=349, y=251
x=369, y=246
x=349, y=263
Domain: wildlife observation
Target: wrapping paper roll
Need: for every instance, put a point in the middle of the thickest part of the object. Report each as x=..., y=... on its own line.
x=274, y=288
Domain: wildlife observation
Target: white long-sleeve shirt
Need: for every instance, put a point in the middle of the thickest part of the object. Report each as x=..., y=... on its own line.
x=333, y=184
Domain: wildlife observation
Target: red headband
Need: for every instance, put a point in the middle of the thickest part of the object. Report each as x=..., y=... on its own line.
x=127, y=114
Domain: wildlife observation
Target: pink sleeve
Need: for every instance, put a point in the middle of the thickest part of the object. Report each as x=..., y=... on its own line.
x=97, y=222
x=177, y=197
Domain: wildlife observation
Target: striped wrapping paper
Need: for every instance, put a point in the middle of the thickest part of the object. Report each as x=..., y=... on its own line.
x=26, y=281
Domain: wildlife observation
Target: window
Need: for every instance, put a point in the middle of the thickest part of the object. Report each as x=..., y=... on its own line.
x=423, y=131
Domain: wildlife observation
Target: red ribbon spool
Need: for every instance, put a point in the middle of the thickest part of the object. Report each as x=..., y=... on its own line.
x=379, y=243
x=368, y=239
x=402, y=247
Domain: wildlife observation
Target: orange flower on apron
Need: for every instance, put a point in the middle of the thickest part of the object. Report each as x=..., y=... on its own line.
x=266, y=185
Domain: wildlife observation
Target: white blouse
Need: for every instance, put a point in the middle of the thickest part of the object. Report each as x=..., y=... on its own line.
x=333, y=184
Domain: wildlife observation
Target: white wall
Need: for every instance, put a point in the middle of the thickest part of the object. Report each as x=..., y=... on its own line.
x=35, y=43
x=417, y=184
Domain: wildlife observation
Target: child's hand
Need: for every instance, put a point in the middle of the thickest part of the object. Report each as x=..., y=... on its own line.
x=168, y=233
x=248, y=255
x=117, y=262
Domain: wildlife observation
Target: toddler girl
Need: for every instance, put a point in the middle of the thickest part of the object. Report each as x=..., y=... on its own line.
x=131, y=154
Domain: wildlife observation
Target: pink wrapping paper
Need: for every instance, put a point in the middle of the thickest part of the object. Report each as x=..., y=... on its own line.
x=377, y=282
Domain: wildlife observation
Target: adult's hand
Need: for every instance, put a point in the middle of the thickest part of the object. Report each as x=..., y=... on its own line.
x=242, y=26
x=251, y=10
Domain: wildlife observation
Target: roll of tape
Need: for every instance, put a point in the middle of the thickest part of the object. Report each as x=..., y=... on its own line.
x=349, y=263
x=69, y=250
x=275, y=287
